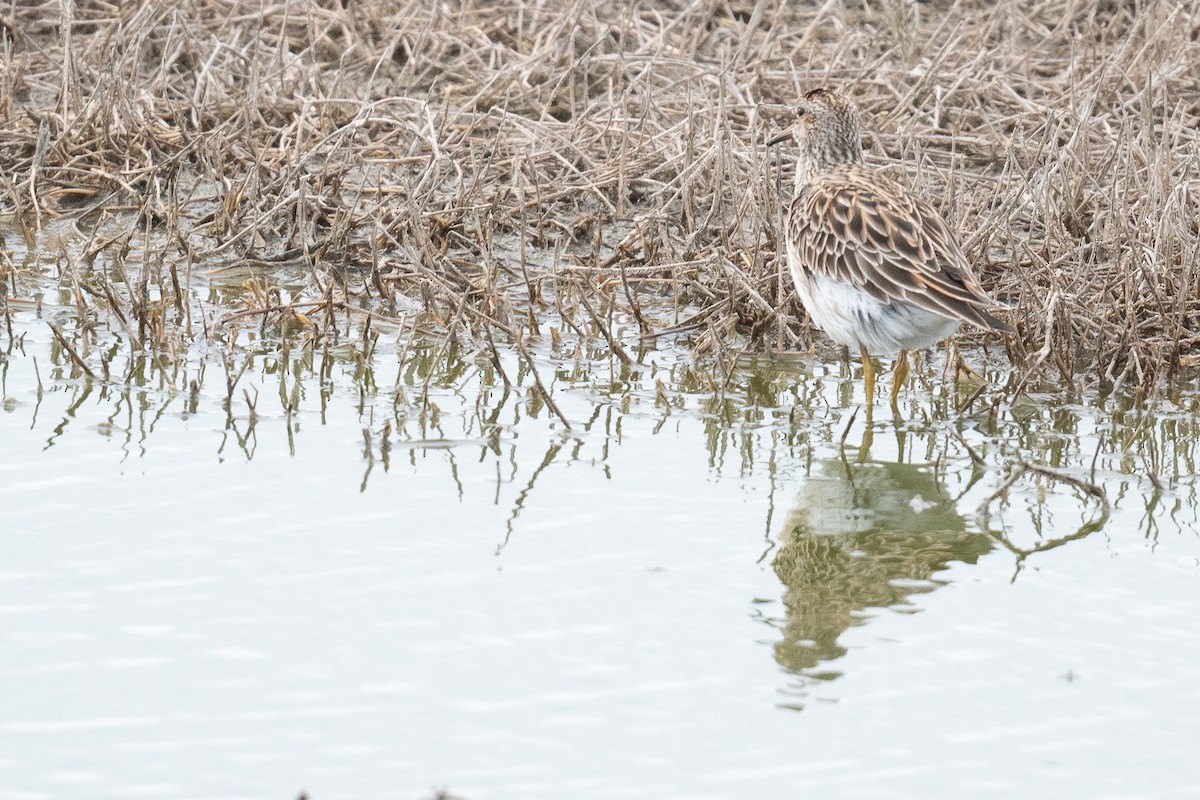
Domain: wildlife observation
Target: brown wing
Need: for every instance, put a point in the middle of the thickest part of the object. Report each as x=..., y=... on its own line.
x=861, y=228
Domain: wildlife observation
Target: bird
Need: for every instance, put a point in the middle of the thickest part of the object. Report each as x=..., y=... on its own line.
x=875, y=266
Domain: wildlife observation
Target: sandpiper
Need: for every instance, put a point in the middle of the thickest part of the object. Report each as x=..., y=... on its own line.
x=876, y=267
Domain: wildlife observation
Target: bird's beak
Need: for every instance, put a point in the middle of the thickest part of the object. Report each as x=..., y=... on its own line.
x=787, y=134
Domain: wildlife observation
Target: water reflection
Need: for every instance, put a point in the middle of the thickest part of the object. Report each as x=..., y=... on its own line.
x=1080, y=499
x=405, y=512
x=862, y=536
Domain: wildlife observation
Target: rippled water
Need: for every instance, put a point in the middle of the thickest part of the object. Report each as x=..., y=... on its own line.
x=696, y=591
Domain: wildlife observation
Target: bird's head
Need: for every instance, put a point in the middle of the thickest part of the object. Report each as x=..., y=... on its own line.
x=826, y=130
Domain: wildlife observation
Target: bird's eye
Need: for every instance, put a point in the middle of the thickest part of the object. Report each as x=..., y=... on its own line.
x=801, y=112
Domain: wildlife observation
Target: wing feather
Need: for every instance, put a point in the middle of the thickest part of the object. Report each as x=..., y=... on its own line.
x=859, y=227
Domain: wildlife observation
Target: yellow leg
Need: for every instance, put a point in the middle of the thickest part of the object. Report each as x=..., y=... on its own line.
x=901, y=374
x=868, y=380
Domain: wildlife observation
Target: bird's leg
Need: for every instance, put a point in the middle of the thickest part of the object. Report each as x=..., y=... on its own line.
x=962, y=370
x=899, y=376
x=868, y=380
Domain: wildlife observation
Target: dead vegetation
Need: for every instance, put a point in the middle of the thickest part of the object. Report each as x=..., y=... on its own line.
x=515, y=170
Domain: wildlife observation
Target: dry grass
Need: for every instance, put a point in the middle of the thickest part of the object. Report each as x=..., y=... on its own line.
x=512, y=166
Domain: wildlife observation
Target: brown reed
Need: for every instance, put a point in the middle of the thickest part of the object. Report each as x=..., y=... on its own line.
x=572, y=163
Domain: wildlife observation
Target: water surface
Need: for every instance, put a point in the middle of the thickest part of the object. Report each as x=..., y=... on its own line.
x=372, y=569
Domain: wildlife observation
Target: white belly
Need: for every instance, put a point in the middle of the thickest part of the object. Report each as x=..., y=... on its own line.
x=852, y=317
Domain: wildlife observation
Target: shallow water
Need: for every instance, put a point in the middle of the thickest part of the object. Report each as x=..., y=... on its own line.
x=708, y=597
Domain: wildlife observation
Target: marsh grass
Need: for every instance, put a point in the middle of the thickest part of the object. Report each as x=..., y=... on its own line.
x=516, y=172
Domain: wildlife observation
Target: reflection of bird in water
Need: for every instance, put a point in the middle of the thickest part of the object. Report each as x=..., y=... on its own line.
x=861, y=536
x=875, y=266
